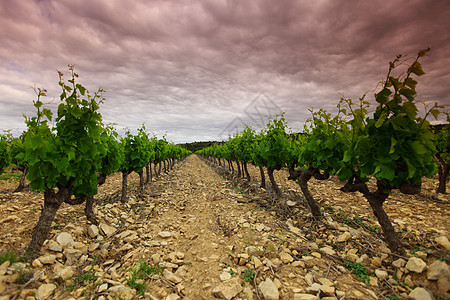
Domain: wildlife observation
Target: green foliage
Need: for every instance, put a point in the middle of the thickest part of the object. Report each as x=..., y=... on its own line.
x=273, y=144
x=248, y=275
x=139, y=273
x=359, y=270
x=10, y=255
x=395, y=145
x=5, y=158
x=71, y=153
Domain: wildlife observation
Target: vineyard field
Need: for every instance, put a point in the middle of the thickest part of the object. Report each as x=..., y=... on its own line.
x=214, y=235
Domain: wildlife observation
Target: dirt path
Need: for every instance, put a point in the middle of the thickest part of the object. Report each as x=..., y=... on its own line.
x=213, y=239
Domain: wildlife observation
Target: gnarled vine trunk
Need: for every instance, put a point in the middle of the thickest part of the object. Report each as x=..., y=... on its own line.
x=443, y=172
x=52, y=202
x=22, y=184
x=272, y=181
x=263, y=177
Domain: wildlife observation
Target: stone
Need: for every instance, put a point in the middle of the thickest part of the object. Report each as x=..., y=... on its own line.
x=415, y=264
x=257, y=262
x=291, y=203
x=314, y=288
x=286, y=257
x=344, y=237
x=325, y=281
x=107, y=230
x=253, y=250
x=66, y=273
x=36, y=264
x=443, y=285
x=103, y=287
x=172, y=277
x=93, y=231
x=47, y=259
x=65, y=240
x=72, y=256
x=225, y=276
x=122, y=292
x=437, y=270
x=327, y=290
x=164, y=234
x=420, y=294
x=304, y=297
x=381, y=274
x=377, y=262
x=443, y=242
x=4, y=266
x=45, y=290
x=228, y=289
x=399, y=263
x=269, y=290
x=328, y=250
x=309, y=279
x=78, y=231
x=54, y=246
x=173, y=297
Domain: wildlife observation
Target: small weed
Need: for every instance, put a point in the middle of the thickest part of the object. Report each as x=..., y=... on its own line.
x=232, y=272
x=393, y=297
x=33, y=209
x=359, y=270
x=10, y=255
x=88, y=278
x=248, y=275
x=373, y=229
x=240, y=190
x=24, y=276
x=444, y=259
x=138, y=274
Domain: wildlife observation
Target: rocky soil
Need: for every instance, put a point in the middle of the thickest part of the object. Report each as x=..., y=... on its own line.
x=199, y=233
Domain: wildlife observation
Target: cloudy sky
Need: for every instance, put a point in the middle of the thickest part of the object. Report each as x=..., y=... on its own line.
x=194, y=70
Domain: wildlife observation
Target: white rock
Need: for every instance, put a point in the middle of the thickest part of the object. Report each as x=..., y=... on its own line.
x=286, y=257
x=309, y=279
x=172, y=277
x=443, y=241
x=72, y=256
x=327, y=290
x=66, y=273
x=304, y=297
x=106, y=229
x=164, y=234
x=314, y=288
x=65, y=239
x=291, y=203
x=344, y=237
x=93, y=231
x=47, y=259
x=54, y=246
x=45, y=290
x=415, y=264
x=420, y=294
x=269, y=290
x=103, y=287
x=437, y=270
x=381, y=274
x=225, y=276
x=399, y=263
x=228, y=289
x=328, y=250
